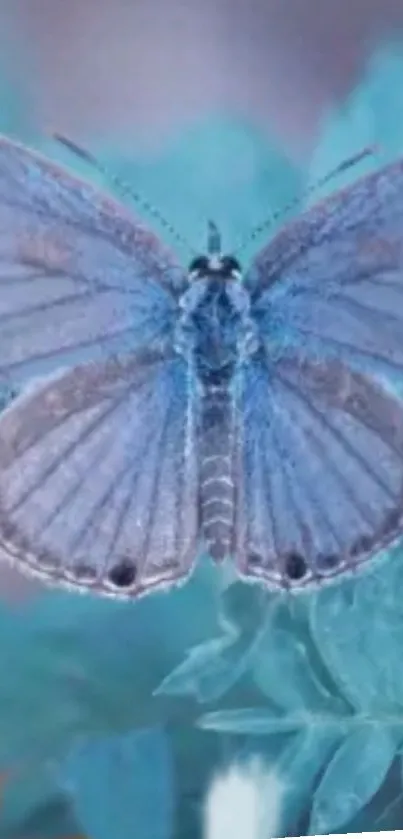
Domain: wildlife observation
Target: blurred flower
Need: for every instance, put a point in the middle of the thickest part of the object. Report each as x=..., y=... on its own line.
x=244, y=802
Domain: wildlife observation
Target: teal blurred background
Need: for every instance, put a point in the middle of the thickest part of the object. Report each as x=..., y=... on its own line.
x=114, y=717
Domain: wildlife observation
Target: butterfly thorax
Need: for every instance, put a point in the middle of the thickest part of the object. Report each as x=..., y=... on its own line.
x=215, y=329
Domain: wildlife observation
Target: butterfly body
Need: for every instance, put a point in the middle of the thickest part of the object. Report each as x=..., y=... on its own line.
x=253, y=414
x=217, y=334
x=216, y=327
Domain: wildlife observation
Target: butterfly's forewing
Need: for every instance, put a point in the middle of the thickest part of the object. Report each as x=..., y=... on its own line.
x=98, y=476
x=331, y=282
x=322, y=460
x=79, y=278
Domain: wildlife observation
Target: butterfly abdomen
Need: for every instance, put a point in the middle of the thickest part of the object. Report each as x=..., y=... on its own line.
x=216, y=496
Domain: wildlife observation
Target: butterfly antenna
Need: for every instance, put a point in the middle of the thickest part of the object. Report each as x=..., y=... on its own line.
x=122, y=187
x=344, y=166
x=213, y=239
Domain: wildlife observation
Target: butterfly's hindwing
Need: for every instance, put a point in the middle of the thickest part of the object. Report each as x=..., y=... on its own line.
x=98, y=476
x=322, y=471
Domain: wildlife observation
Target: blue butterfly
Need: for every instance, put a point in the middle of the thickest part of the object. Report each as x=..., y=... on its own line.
x=253, y=415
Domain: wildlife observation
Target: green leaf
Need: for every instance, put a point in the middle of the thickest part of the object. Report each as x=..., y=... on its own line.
x=283, y=671
x=364, y=655
x=254, y=721
x=352, y=777
x=300, y=764
x=208, y=671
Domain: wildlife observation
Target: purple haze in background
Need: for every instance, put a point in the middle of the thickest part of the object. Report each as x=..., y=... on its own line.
x=139, y=69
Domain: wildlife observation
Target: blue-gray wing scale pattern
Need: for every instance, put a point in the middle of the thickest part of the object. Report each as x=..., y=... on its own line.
x=321, y=417
x=98, y=476
x=80, y=278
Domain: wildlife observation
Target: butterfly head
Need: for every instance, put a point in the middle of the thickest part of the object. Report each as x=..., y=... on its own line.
x=222, y=268
x=214, y=264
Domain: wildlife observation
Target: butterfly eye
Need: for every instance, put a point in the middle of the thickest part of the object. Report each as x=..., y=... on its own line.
x=199, y=267
x=231, y=267
x=123, y=574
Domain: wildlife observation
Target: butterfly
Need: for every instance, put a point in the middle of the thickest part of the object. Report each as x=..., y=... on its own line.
x=166, y=411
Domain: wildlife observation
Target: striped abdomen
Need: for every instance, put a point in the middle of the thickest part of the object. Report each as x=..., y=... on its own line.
x=216, y=469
